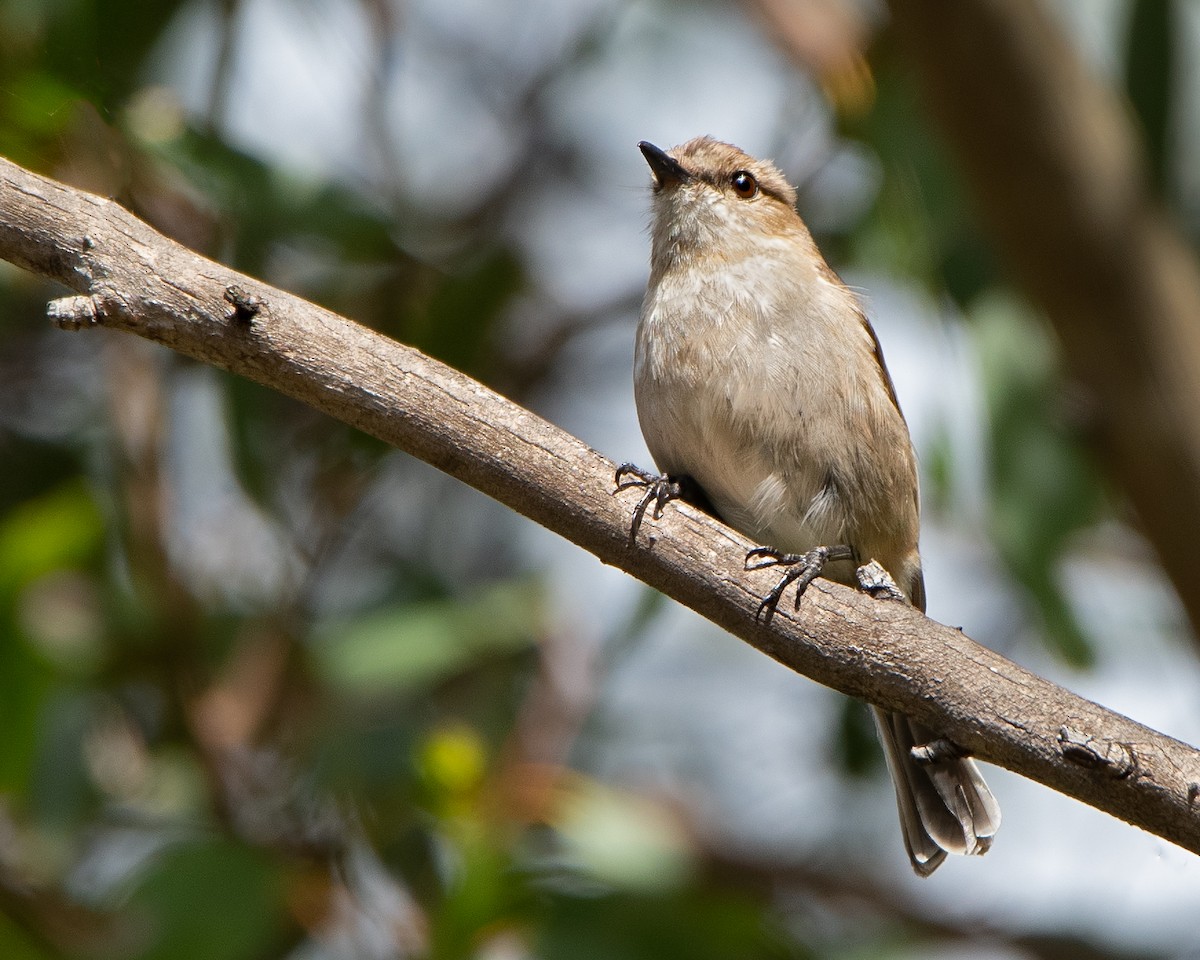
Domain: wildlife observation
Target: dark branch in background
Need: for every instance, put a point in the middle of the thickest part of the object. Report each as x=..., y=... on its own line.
x=1055, y=169
x=131, y=278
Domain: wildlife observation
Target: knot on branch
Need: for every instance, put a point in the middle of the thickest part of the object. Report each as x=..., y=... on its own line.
x=245, y=305
x=1116, y=759
x=75, y=313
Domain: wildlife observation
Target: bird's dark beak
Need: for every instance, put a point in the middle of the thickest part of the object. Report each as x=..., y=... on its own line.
x=666, y=169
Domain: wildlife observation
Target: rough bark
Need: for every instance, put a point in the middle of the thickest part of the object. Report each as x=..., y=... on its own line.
x=130, y=278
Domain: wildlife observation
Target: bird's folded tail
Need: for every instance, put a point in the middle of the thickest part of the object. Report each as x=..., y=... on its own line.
x=945, y=806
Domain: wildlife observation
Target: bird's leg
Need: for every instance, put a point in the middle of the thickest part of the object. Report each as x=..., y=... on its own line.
x=660, y=488
x=802, y=569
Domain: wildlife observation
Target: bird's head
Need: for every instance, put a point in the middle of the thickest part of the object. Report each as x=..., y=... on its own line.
x=713, y=200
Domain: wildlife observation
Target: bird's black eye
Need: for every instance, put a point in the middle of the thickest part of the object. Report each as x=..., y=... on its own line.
x=744, y=185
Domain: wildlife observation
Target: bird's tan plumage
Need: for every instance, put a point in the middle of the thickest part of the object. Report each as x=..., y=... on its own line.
x=758, y=376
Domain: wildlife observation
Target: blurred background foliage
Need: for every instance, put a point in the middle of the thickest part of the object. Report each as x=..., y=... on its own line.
x=268, y=689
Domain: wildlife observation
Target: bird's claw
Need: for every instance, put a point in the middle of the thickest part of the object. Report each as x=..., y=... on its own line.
x=660, y=490
x=761, y=557
x=802, y=569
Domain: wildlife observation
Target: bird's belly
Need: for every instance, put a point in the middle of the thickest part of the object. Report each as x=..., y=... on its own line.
x=772, y=493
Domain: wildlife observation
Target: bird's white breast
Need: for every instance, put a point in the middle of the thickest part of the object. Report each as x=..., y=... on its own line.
x=737, y=386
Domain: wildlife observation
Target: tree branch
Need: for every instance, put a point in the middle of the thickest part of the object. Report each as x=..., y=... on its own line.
x=131, y=278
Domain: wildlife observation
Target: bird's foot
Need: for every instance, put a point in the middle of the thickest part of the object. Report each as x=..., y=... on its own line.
x=877, y=582
x=802, y=569
x=938, y=750
x=660, y=490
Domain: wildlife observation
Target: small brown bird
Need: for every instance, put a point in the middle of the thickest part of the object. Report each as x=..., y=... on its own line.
x=761, y=388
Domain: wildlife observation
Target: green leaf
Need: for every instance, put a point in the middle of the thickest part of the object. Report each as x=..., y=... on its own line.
x=1045, y=489
x=485, y=894
x=1149, y=68
x=60, y=529
x=692, y=925
x=38, y=104
x=16, y=944
x=856, y=745
x=418, y=644
x=623, y=840
x=920, y=226
x=210, y=901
